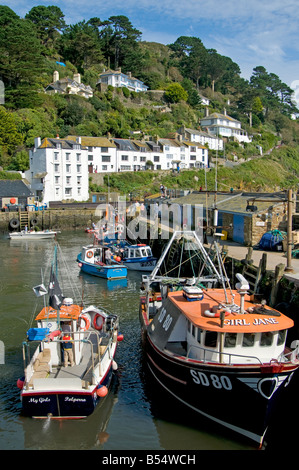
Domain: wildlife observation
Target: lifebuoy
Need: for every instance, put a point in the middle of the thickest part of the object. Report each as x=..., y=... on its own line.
x=98, y=321
x=86, y=318
x=33, y=221
x=89, y=254
x=120, y=228
x=14, y=223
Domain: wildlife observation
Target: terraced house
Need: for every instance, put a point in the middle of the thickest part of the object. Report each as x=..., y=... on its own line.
x=60, y=168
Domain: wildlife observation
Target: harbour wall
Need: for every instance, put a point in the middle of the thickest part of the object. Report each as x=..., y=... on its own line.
x=56, y=219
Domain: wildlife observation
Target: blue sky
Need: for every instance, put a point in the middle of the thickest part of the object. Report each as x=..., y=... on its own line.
x=250, y=32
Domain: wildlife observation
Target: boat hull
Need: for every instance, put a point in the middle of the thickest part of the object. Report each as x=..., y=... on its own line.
x=241, y=398
x=140, y=265
x=104, y=271
x=32, y=235
x=67, y=404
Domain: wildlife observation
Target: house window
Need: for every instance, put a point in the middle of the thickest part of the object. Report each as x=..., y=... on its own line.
x=78, y=157
x=67, y=156
x=79, y=178
x=56, y=156
x=104, y=149
x=57, y=178
x=78, y=168
x=68, y=191
x=106, y=158
x=125, y=158
x=104, y=167
x=90, y=149
x=125, y=167
x=90, y=158
x=193, y=149
x=79, y=191
x=68, y=168
x=142, y=159
x=68, y=180
x=156, y=158
x=56, y=168
x=57, y=191
x=192, y=157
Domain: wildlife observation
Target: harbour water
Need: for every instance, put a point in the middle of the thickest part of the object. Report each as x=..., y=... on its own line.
x=136, y=415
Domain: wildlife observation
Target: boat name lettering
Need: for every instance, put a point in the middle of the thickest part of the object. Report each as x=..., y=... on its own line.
x=217, y=381
x=168, y=320
x=73, y=399
x=39, y=400
x=243, y=322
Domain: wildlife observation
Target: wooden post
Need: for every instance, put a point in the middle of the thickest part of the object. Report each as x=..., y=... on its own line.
x=279, y=270
x=289, y=233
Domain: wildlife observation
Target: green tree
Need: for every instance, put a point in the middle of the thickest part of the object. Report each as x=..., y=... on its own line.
x=49, y=22
x=175, y=93
x=10, y=138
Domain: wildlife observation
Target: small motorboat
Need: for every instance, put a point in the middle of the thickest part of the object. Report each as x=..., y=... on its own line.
x=93, y=260
x=68, y=357
x=138, y=257
x=216, y=349
x=33, y=234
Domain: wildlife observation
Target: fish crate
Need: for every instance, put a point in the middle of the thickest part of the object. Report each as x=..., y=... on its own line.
x=37, y=334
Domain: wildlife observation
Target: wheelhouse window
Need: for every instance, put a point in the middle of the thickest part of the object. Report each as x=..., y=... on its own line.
x=230, y=340
x=211, y=339
x=266, y=339
x=281, y=337
x=248, y=340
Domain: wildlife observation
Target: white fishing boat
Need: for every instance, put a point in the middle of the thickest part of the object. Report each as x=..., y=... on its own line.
x=216, y=349
x=68, y=356
x=33, y=235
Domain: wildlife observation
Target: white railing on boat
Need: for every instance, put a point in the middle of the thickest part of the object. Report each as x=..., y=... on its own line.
x=290, y=357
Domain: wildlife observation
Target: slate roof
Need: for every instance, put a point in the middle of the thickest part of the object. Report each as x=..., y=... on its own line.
x=93, y=141
x=230, y=202
x=66, y=144
x=14, y=188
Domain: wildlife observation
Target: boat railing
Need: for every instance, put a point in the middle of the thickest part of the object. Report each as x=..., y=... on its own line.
x=219, y=354
x=95, y=350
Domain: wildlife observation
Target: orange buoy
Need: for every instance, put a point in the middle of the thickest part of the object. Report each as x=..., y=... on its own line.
x=13, y=200
x=120, y=337
x=102, y=391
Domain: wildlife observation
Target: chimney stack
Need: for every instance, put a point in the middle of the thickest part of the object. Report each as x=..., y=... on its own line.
x=77, y=77
x=55, y=76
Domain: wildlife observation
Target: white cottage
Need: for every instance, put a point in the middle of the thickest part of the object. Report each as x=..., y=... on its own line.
x=225, y=126
x=119, y=79
x=58, y=170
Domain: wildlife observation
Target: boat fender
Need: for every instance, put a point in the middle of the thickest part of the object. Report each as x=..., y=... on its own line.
x=86, y=318
x=141, y=244
x=114, y=365
x=33, y=221
x=98, y=321
x=80, y=265
x=102, y=391
x=53, y=335
x=14, y=223
x=20, y=383
x=120, y=337
x=89, y=254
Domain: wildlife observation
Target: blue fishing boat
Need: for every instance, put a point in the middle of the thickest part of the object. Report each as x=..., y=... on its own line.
x=135, y=257
x=96, y=259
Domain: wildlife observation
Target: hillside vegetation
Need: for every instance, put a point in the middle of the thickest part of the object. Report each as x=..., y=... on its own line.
x=33, y=47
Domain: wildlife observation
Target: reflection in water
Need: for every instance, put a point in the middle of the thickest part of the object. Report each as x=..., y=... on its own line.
x=134, y=415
